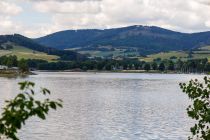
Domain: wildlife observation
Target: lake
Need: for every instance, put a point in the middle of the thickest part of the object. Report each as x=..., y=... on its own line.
x=109, y=106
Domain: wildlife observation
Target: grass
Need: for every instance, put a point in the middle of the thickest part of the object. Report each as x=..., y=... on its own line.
x=4, y=52
x=203, y=52
x=14, y=73
x=199, y=56
x=205, y=48
x=102, y=53
x=115, y=53
x=22, y=52
x=179, y=54
x=165, y=55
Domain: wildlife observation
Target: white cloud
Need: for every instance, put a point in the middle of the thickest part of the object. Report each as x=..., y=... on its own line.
x=206, y=2
x=180, y=15
x=9, y=8
x=66, y=7
x=7, y=26
x=7, y=11
x=64, y=0
x=186, y=16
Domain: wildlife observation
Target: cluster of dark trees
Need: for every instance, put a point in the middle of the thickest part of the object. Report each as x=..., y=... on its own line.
x=6, y=47
x=12, y=61
x=189, y=66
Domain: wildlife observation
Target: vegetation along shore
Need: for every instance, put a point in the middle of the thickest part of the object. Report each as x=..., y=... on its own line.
x=11, y=66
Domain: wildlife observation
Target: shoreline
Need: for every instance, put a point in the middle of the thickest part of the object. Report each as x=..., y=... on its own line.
x=14, y=74
x=119, y=71
x=24, y=75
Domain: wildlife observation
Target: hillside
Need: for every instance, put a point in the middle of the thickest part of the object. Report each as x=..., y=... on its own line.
x=24, y=47
x=141, y=39
x=22, y=52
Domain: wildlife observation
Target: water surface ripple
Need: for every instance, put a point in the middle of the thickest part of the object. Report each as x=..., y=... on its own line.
x=109, y=106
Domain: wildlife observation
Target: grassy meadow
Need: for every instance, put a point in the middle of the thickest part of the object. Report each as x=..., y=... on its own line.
x=22, y=52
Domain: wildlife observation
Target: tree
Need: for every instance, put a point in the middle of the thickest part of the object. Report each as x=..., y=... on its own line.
x=179, y=65
x=173, y=57
x=23, y=66
x=157, y=59
x=161, y=67
x=10, y=61
x=207, y=67
x=22, y=107
x=154, y=66
x=147, y=67
x=171, y=65
x=108, y=66
x=199, y=93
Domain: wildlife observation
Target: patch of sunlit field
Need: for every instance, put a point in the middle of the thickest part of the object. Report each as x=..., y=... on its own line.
x=22, y=52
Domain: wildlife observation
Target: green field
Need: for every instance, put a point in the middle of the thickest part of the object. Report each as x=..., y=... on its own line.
x=22, y=52
x=179, y=54
x=115, y=53
x=203, y=52
x=206, y=48
x=165, y=55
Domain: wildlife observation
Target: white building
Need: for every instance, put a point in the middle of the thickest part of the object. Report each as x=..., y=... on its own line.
x=3, y=67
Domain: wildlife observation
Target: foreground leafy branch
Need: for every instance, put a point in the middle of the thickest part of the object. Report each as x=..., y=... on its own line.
x=22, y=107
x=199, y=93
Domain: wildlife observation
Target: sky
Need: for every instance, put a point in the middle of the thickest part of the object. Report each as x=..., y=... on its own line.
x=36, y=18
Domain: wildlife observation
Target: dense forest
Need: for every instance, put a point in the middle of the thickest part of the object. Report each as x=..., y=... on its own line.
x=145, y=39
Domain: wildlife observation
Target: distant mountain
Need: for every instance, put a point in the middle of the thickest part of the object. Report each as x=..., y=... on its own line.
x=31, y=44
x=145, y=39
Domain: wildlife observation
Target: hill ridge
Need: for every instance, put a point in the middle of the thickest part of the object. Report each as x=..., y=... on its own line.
x=146, y=39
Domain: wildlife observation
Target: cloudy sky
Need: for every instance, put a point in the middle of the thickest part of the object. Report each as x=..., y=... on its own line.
x=35, y=18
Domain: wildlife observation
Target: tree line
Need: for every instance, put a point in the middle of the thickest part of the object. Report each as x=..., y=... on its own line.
x=189, y=66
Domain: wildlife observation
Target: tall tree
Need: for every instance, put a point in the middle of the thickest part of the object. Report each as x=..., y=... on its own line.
x=23, y=66
x=161, y=67
x=171, y=65
x=154, y=66
x=147, y=67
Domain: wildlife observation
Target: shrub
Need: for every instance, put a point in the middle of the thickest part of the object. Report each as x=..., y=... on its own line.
x=22, y=107
x=199, y=93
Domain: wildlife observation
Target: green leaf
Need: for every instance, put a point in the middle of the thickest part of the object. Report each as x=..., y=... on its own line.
x=52, y=105
x=22, y=107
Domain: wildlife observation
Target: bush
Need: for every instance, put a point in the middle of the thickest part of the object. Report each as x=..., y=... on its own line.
x=199, y=93
x=22, y=107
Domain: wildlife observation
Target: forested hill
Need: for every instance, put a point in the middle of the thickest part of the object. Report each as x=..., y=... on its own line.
x=145, y=39
x=31, y=44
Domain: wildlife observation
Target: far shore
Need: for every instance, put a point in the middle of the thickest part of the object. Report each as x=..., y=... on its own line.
x=120, y=71
x=14, y=73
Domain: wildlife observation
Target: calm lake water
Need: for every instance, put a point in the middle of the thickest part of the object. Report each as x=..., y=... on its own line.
x=109, y=106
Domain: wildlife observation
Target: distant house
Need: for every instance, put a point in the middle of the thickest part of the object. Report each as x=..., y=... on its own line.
x=3, y=67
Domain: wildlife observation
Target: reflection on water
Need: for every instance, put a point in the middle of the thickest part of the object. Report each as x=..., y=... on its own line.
x=109, y=106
